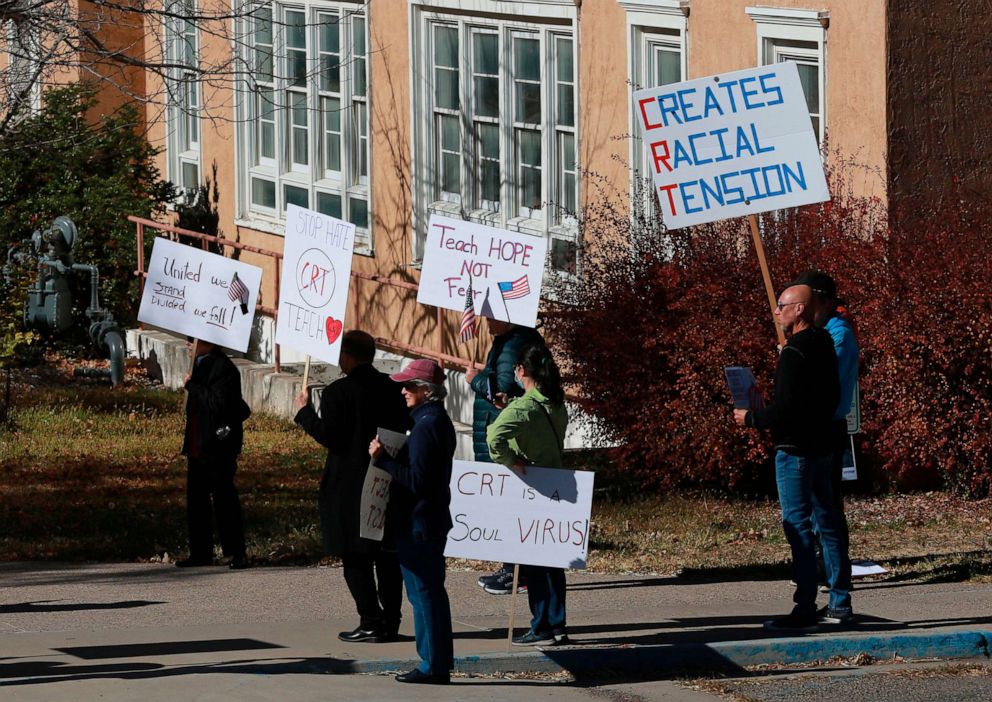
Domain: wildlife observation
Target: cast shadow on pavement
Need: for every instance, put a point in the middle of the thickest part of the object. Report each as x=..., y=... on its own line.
x=54, y=606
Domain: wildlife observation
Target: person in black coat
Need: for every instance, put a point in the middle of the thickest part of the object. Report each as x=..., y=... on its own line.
x=212, y=442
x=351, y=410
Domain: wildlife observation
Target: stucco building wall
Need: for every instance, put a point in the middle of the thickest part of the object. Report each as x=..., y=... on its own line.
x=938, y=100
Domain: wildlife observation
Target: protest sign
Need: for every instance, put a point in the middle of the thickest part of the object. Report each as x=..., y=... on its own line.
x=849, y=466
x=731, y=145
x=505, y=270
x=316, y=272
x=539, y=518
x=200, y=294
x=854, y=416
x=375, y=489
x=743, y=388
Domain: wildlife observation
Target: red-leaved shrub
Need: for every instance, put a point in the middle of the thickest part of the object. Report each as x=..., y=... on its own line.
x=647, y=329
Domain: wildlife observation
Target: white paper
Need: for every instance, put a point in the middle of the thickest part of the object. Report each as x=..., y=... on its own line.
x=188, y=291
x=316, y=272
x=506, y=270
x=375, y=489
x=744, y=138
x=860, y=569
x=541, y=518
x=743, y=388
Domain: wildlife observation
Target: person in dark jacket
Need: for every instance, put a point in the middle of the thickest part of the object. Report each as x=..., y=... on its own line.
x=495, y=385
x=421, y=476
x=351, y=410
x=212, y=441
x=800, y=417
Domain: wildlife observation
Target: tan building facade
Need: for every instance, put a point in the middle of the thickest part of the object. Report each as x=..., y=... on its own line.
x=515, y=114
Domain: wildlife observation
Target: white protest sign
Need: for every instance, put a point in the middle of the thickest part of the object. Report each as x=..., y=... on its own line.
x=854, y=415
x=505, y=268
x=200, y=294
x=375, y=489
x=730, y=145
x=540, y=518
x=849, y=465
x=316, y=272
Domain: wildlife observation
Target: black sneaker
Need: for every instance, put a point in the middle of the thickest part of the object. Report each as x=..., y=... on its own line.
x=561, y=638
x=532, y=638
x=492, y=577
x=841, y=616
x=792, y=622
x=194, y=562
x=504, y=585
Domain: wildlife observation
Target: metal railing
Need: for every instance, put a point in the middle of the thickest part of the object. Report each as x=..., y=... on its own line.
x=273, y=312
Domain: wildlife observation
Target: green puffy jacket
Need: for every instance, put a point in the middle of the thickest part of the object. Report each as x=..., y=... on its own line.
x=531, y=429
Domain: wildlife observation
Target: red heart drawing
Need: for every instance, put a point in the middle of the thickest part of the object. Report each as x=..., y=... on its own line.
x=333, y=328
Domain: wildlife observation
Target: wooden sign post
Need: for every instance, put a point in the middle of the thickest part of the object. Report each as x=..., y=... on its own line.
x=760, y=250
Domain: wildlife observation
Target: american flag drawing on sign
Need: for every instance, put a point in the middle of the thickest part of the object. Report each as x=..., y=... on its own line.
x=467, y=330
x=515, y=289
x=238, y=293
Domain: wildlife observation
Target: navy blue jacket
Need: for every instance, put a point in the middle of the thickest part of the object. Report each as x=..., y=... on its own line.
x=419, y=496
x=498, y=376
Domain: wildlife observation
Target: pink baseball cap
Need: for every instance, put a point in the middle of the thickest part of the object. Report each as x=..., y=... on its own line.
x=422, y=369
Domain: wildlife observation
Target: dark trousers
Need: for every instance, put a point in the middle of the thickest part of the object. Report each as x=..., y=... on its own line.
x=206, y=481
x=376, y=585
x=422, y=562
x=546, y=596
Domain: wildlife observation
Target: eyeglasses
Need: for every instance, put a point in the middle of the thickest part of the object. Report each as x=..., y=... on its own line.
x=780, y=305
x=410, y=387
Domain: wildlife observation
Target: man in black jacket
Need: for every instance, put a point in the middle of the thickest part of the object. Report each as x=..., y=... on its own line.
x=212, y=442
x=807, y=391
x=351, y=410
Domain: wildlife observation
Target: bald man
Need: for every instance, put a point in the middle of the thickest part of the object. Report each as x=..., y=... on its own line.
x=800, y=418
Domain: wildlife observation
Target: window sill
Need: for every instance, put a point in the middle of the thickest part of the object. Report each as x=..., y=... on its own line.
x=261, y=223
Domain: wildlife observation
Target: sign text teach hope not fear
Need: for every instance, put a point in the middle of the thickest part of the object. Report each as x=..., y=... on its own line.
x=730, y=145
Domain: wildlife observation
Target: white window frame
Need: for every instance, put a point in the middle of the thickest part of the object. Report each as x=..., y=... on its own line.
x=183, y=143
x=650, y=23
x=23, y=49
x=351, y=184
x=794, y=34
x=545, y=23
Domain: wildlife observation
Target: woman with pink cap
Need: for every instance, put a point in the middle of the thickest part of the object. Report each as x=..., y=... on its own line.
x=421, y=473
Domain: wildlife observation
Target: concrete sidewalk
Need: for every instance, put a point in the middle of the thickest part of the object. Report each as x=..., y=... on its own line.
x=70, y=627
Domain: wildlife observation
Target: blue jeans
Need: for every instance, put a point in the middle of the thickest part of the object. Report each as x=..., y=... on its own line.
x=805, y=488
x=422, y=563
x=546, y=596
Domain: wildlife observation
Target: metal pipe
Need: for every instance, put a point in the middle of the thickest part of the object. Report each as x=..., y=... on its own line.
x=115, y=344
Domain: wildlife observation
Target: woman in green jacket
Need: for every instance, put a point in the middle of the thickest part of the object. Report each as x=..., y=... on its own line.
x=531, y=431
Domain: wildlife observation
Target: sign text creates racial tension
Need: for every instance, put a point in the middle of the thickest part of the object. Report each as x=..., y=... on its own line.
x=505, y=270
x=200, y=294
x=730, y=145
x=316, y=271
x=539, y=518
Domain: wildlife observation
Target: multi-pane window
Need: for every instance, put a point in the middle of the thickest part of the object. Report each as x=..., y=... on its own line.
x=307, y=132
x=183, y=95
x=800, y=35
x=501, y=137
x=807, y=58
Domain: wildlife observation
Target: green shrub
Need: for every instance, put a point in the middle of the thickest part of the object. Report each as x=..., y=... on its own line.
x=60, y=162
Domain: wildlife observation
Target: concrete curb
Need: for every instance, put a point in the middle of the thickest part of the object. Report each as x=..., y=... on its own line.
x=657, y=661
